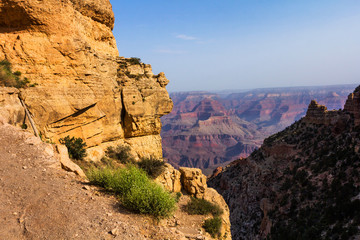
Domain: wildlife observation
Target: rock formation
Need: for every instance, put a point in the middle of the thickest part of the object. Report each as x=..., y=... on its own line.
x=318, y=114
x=10, y=106
x=352, y=105
x=303, y=181
x=84, y=88
x=170, y=178
x=194, y=181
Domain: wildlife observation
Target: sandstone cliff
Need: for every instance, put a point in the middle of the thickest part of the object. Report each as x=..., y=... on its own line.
x=303, y=183
x=84, y=88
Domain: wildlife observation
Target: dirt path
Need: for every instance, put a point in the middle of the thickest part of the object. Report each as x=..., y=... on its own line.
x=38, y=200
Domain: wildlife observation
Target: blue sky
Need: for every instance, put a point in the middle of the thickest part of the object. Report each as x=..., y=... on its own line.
x=242, y=44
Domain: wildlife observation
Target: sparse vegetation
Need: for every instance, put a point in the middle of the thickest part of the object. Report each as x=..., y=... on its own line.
x=178, y=196
x=202, y=207
x=135, y=190
x=319, y=209
x=76, y=147
x=120, y=153
x=12, y=79
x=152, y=166
x=135, y=60
x=213, y=226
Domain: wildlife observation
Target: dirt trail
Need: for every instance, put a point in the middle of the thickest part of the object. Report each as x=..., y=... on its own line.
x=38, y=200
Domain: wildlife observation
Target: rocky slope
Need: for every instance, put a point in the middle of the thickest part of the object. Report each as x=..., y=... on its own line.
x=210, y=129
x=303, y=183
x=39, y=200
x=84, y=88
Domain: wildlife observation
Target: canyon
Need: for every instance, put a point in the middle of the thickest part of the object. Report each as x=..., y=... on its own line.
x=302, y=182
x=208, y=130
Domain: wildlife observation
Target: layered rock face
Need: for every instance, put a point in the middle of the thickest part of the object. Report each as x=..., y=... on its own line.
x=201, y=133
x=84, y=89
x=303, y=183
x=353, y=105
x=207, y=130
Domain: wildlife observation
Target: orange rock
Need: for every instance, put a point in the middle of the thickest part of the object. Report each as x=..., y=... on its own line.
x=84, y=88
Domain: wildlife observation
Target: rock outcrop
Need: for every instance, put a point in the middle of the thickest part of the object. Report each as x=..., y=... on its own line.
x=193, y=181
x=213, y=196
x=84, y=89
x=11, y=109
x=65, y=161
x=170, y=178
x=318, y=114
x=352, y=105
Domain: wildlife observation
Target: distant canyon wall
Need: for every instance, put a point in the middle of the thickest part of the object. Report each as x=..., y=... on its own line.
x=207, y=130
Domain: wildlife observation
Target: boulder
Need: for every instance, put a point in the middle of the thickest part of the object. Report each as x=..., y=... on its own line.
x=213, y=196
x=170, y=179
x=193, y=181
x=11, y=109
x=65, y=161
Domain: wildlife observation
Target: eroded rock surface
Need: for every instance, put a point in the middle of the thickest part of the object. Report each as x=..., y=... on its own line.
x=193, y=181
x=11, y=109
x=84, y=88
x=213, y=196
x=170, y=178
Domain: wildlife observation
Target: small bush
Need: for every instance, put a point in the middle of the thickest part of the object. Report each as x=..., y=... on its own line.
x=102, y=177
x=135, y=190
x=202, y=207
x=178, y=196
x=9, y=78
x=153, y=167
x=150, y=199
x=135, y=60
x=76, y=147
x=121, y=153
x=213, y=226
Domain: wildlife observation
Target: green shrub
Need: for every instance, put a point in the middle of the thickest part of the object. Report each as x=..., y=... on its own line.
x=150, y=199
x=153, y=167
x=135, y=190
x=121, y=153
x=102, y=177
x=9, y=78
x=202, y=207
x=76, y=147
x=178, y=196
x=135, y=60
x=213, y=226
